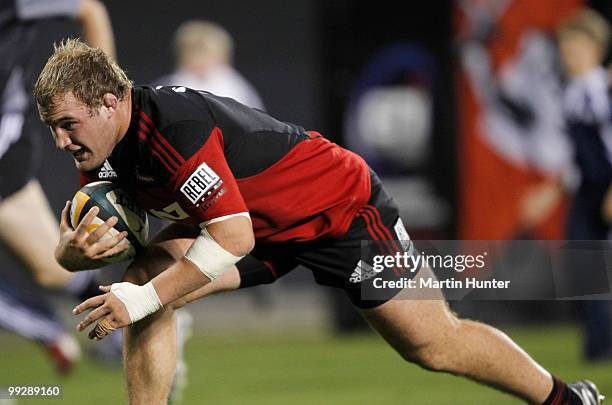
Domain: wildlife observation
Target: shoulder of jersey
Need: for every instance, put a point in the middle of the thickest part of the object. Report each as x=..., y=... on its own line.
x=175, y=103
x=181, y=116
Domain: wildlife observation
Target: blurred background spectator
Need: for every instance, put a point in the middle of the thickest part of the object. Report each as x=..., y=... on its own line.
x=583, y=42
x=204, y=54
x=512, y=140
x=516, y=163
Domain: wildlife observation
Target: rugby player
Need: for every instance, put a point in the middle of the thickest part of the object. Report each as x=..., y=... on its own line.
x=250, y=197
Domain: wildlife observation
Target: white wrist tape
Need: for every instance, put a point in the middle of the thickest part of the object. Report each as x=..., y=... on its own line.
x=210, y=257
x=139, y=301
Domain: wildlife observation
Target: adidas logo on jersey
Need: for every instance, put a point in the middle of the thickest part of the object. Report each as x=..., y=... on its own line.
x=106, y=171
x=362, y=272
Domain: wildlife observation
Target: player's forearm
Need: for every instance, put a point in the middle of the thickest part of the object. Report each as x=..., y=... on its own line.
x=229, y=281
x=157, y=257
x=180, y=279
x=210, y=256
x=172, y=277
x=180, y=283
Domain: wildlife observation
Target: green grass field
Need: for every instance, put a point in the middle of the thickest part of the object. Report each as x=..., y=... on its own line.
x=298, y=369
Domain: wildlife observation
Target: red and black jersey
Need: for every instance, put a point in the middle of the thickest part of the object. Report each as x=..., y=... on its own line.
x=190, y=156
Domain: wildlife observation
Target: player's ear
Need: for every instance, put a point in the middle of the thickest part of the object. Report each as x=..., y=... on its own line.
x=109, y=100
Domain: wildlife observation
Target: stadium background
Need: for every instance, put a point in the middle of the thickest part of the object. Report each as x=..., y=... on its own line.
x=291, y=341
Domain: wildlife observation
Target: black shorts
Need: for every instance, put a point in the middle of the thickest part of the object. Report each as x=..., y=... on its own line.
x=339, y=262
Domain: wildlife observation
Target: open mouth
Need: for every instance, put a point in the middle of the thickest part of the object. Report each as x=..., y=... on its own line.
x=79, y=155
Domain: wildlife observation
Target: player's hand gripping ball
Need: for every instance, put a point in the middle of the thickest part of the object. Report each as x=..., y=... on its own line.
x=112, y=201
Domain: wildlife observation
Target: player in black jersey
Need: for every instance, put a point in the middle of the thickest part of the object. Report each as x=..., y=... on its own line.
x=250, y=197
x=27, y=28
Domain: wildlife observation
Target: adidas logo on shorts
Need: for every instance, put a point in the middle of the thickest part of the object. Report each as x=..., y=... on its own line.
x=362, y=272
x=106, y=171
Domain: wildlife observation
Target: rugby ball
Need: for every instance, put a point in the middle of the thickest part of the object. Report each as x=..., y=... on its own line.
x=112, y=201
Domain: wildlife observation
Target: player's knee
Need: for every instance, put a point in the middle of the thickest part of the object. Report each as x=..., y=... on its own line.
x=149, y=326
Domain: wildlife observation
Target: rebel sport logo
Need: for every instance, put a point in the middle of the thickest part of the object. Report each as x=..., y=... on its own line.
x=202, y=183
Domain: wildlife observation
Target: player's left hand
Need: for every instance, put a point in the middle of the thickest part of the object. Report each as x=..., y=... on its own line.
x=109, y=310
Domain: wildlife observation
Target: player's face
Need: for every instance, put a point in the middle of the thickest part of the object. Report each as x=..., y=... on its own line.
x=89, y=135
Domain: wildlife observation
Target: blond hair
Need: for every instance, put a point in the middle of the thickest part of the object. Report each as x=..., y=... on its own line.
x=86, y=72
x=590, y=23
x=204, y=38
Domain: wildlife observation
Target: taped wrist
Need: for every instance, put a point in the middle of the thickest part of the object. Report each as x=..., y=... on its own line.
x=210, y=257
x=139, y=301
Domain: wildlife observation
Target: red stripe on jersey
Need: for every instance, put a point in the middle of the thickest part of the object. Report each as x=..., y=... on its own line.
x=143, y=127
x=156, y=154
x=161, y=153
x=161, y=138
x=154, y=140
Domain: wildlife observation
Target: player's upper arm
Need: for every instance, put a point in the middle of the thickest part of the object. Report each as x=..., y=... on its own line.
x=204, y=185
x=234, y=234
